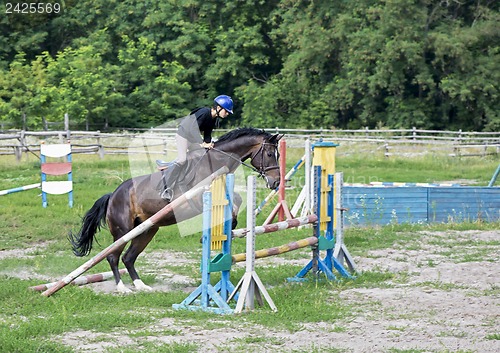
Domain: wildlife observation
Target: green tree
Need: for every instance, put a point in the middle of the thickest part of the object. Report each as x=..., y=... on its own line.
x=154, y=93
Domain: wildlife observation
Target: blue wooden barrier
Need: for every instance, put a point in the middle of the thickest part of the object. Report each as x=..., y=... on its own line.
x=385, y=205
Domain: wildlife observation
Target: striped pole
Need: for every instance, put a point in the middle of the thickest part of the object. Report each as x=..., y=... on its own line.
x=21, y=188
x=278, y=249
x=80, y=281
x=140, y=229
x=274, y=227
x=273, y=193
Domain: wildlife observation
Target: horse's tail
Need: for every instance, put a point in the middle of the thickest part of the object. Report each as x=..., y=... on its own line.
x=93, y=220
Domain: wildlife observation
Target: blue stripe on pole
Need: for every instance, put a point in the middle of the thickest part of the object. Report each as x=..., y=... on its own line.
x=20, y=188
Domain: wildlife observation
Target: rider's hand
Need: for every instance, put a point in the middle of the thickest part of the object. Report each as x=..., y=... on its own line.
x=207, y=145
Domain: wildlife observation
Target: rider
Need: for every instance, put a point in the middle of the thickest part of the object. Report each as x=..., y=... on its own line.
x=188, y=137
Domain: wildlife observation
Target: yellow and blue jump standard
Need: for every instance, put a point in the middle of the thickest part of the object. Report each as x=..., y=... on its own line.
x=223, y=261
x=214, y=298
x=324, y=169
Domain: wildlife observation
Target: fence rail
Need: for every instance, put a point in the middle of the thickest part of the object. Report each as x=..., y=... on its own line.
x=389, y=142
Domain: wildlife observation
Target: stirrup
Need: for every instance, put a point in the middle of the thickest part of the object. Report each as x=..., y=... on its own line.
x=167, y=194
x=163, y=164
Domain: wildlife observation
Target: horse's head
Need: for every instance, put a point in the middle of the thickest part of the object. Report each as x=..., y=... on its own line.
x=264, y=159
x=260, y=146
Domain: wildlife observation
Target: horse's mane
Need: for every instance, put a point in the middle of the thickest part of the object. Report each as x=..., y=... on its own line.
x=242, y=131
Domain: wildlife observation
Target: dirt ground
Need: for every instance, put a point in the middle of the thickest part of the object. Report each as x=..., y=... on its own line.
x=445, y=298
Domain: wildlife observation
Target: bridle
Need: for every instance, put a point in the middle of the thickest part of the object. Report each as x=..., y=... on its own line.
x=261, y=170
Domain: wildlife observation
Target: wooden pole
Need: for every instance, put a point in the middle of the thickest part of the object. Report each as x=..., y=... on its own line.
x=278, y=249
x=80, y=281
x=250, y=285
x=274, y=227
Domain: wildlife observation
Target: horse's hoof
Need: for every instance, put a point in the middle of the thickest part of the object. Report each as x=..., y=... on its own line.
x=120, y=288
x=139, y=285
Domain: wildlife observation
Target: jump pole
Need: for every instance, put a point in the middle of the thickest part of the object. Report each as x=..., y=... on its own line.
x=305, y=196
x=288, y=176
x=20, y=188
x=198, y=189
x=250, y=285
x=494, y=177
x=340, y=252
x=80, y=281
x=278, y=249
x=274, y=227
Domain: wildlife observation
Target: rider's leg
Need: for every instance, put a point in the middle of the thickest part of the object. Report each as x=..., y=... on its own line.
x=173, y=172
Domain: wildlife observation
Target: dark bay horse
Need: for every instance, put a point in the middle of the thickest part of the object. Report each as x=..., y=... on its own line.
x=137, y=199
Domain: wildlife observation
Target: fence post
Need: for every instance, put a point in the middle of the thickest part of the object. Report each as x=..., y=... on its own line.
x=18, y=151
x=100, y=146
x=66, y=126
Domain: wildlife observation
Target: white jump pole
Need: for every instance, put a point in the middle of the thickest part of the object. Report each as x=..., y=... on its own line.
x=250, y=284
x=340, y=251
x=303, y=204
x=20, y=188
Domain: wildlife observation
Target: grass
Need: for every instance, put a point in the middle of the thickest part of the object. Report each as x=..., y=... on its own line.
x=33, y=241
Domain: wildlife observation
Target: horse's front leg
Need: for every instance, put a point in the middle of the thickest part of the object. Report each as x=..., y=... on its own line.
x=237, y=201
x=136, y=247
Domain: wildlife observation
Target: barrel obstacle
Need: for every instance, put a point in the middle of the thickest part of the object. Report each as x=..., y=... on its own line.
x=190, y=194
x=80, y=281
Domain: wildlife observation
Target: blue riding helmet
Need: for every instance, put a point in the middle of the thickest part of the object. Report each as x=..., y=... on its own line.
x=225, y=102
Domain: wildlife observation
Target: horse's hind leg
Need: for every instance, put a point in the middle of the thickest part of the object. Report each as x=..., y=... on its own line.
x=136, y=247
x=118, y=225
x=113, y=260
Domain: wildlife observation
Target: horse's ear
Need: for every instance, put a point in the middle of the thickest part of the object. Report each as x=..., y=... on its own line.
x=275, y=138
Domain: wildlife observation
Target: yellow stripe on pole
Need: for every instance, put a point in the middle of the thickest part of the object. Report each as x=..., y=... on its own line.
x=278, y=250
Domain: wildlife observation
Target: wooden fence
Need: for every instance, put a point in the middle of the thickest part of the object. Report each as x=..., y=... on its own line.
x=387, y=142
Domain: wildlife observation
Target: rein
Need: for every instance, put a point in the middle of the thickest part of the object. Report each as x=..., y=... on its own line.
x=261, y=170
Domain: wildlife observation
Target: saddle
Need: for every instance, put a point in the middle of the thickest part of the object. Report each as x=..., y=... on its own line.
x=175, y=175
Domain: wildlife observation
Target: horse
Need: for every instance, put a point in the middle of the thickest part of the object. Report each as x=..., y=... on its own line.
x=137, y=199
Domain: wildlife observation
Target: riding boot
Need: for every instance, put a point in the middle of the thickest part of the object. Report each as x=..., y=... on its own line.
x=170, y=178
